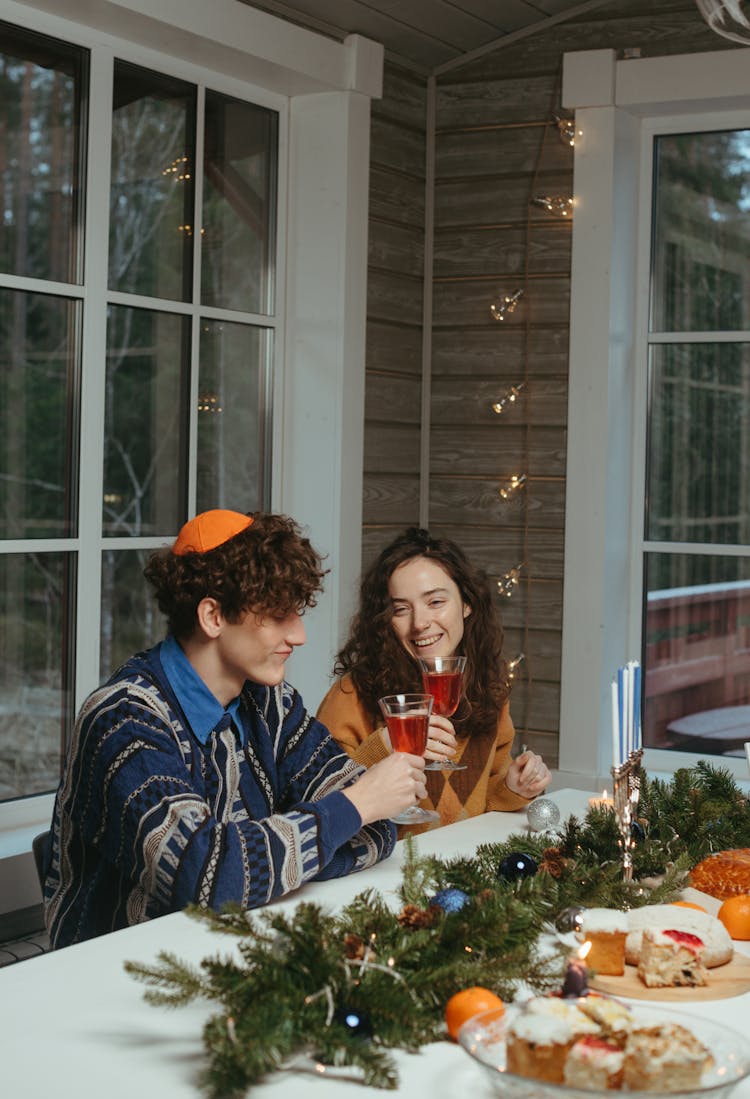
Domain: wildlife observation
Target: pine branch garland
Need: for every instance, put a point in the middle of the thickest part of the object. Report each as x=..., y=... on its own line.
x=295, y=982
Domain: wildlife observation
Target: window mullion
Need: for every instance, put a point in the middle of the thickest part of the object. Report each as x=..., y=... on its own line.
x=192, y=455
x=642, y=395
x=93, y=374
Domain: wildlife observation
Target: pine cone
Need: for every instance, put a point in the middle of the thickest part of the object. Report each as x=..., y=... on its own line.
x=354, y=947
x=412, y=916
x=553, y=861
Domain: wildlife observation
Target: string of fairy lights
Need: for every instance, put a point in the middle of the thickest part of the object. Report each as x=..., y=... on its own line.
x=559, y=206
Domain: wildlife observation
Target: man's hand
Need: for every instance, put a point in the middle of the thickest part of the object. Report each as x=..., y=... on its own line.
x=392, y=784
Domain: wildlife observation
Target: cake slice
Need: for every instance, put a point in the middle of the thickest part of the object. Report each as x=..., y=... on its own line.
x=670, y=958
x=607, y=930
x=664, y=1058
x=594, y=1064
x=539, y=1038
x=613, y=1017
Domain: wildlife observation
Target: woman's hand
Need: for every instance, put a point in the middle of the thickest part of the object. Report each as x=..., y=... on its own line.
x=390, y=785
x=441, y=739
x=528, y=775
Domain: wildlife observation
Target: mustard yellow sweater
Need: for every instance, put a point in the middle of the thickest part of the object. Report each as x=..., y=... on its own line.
x=455, y=795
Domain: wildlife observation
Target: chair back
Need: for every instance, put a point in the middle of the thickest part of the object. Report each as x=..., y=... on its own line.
x=39, y=846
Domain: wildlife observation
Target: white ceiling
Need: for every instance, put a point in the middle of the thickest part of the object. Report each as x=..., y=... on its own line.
x=426, y=34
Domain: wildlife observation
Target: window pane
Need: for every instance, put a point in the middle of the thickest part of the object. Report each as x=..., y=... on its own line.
x=697, y=653
x=145, y=424
x=239, y=205
x=699, y=444
x=702, y=231
x=131, y=620
x=35, y=590
x=231, y=416
x=43, y=128
x=152, y=187
x=39, y=368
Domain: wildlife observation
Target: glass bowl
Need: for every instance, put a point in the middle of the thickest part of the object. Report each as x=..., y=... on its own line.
x=483, y=1038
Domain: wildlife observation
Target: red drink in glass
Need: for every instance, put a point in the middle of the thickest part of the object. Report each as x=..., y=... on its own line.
x=408, y=717
x=445, y=687
x=408, y=733
x=442, y=677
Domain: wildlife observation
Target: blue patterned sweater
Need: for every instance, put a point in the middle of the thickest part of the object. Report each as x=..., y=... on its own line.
x=148, y=819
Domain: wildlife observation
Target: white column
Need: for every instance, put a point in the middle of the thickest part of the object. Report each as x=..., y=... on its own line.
x=598, y=528
x=319, y=451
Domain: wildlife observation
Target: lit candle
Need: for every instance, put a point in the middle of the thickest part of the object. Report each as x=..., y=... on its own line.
x=575, y=982
x=604, y=802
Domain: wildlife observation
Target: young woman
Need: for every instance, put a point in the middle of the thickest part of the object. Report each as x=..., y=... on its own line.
x=422, y=597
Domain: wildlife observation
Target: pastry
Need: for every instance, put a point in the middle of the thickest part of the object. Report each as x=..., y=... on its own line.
x=595, y=1064
x=595, y=1043
x=724, y=874
x=718, y=948
x=671, y=958
x=606, y=929
x=664, y=1058
x=537, y=1041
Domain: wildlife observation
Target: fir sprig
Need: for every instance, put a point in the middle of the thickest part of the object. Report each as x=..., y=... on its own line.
x=286, y=989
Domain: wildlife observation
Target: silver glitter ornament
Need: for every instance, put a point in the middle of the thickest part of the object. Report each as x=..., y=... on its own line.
x=543, y=815
x=570, y=919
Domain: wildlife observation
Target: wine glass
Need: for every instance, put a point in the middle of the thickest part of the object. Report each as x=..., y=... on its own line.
x=442, y=677
x=407, y=717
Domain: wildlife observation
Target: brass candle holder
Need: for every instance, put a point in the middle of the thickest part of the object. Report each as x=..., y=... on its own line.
x=626, y=781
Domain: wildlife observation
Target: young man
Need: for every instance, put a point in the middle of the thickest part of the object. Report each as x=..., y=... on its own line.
x=195, y=774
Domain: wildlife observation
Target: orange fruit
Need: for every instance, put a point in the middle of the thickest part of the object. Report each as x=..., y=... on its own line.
x=467, y=1003
x=689, y=904
x=735, y=915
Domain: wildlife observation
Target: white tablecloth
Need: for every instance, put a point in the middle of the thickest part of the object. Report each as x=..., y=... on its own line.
x=73, y=1023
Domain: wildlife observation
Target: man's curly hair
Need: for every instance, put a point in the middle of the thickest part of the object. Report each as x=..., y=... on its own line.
x=378, y=662
x=269, y=567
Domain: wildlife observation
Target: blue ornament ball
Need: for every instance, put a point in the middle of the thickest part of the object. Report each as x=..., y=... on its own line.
x=516, y=866
x=637, y=831
x=354, y=1021
x=450, y=900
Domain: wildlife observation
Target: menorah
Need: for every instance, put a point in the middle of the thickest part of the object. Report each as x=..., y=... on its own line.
x=626, y=780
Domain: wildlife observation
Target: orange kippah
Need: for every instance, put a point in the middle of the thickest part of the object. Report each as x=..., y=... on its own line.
x=209, y=530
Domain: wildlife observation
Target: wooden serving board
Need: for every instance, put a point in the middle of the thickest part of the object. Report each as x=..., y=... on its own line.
x=727, y=980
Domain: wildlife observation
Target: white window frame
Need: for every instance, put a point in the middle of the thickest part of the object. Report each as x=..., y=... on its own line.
x=322, y=90
x=619, y=106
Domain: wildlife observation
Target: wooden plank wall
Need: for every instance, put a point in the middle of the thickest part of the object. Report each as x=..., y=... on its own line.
x=496, y=148
x=394, y=309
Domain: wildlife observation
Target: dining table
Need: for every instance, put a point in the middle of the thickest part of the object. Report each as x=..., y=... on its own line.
x=73, y=1022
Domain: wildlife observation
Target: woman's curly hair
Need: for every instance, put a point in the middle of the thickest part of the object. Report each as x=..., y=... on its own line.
x=269, y=567
x=379, y=664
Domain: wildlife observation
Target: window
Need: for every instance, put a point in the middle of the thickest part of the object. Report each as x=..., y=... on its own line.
x=657, y=407
x=696, y=641
x=137, y=336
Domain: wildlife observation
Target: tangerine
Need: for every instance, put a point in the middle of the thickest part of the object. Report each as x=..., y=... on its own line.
x=689, y=904
x=469, y=1002
x=735, y=915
